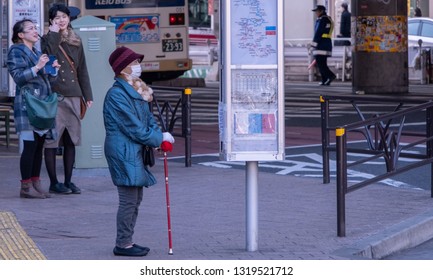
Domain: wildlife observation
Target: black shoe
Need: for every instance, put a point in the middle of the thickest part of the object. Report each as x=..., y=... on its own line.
x=60, y=188
x=73, y=188
x=322, y=83
x=329, y=81
x=133, y=251
x=141, y=247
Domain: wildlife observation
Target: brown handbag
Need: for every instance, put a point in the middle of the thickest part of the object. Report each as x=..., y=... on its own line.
x=83, y=108
x=83, y=105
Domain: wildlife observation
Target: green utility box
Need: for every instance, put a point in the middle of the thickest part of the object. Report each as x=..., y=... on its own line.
x=99, y=41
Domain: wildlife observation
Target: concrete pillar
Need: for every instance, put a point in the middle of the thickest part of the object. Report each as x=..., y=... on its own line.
x=380, y=52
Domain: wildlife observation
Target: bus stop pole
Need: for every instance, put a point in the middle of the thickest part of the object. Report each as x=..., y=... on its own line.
x=252, y=229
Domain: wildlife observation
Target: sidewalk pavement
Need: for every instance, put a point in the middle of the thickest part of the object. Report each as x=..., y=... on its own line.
x=297, y=215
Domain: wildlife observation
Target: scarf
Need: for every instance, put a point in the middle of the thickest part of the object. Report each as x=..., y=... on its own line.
x=140, y=86
x=70, y=37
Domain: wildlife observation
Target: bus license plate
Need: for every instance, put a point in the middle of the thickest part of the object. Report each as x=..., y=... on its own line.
x=172, y=45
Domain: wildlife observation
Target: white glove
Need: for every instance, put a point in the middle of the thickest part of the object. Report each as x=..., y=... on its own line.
x=166, y=136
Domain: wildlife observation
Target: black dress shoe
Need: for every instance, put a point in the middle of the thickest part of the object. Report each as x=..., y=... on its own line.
x=133, y=251
x=60, y=189
x=322, y=83
x=73, y=188
x=141, y=247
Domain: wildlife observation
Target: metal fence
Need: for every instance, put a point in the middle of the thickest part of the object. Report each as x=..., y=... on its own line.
x=383, y=134
x=168, y=114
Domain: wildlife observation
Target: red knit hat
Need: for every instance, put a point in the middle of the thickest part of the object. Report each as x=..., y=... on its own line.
x=122, y=57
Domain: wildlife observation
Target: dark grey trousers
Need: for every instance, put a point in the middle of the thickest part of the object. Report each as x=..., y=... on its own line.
x=129, y=202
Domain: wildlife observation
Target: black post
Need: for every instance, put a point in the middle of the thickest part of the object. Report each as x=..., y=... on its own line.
x=341, y=181
x=429, y=132
x=324, y=113
x=186, y=124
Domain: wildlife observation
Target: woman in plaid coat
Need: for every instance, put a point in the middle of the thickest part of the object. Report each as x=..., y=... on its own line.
x=26, y=66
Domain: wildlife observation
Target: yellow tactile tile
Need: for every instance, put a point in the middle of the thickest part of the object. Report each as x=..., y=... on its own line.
x=15, y=244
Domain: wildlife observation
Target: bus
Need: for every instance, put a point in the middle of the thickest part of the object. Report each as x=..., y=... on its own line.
x=156, y=28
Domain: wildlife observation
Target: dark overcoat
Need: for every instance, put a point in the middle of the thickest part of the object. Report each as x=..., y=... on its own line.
x=66, y=83
x=322, y=41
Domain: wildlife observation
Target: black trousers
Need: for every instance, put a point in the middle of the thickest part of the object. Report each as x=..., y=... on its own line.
x=322, y=63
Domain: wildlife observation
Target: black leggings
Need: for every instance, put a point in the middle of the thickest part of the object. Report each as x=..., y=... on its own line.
x=31, y=157
x=68, y=159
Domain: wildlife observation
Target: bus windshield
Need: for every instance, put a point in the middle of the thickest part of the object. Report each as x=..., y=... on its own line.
x=198, y=14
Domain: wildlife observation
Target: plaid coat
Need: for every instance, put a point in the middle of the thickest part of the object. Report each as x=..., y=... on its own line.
x=19, y=62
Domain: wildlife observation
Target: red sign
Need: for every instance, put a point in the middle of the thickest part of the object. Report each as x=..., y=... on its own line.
x=210, y=7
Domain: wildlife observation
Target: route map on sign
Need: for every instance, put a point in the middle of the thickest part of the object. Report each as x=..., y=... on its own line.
x=254, y=32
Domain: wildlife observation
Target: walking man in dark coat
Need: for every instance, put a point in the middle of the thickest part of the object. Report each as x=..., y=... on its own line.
x=322, y=44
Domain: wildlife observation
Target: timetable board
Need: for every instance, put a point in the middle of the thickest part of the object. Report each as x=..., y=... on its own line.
x=251, y=109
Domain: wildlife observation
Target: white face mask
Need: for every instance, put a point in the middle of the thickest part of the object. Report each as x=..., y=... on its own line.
x=136, y=70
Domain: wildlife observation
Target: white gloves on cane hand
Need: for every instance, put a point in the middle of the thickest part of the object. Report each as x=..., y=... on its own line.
x=166, y=136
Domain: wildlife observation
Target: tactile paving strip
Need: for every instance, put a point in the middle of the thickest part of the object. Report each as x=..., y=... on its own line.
x=15, y=244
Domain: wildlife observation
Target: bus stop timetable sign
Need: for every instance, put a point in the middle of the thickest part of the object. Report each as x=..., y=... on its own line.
x=252, y=89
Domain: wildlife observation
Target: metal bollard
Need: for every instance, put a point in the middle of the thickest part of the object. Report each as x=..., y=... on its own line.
x=186, y=124
x=341, y=167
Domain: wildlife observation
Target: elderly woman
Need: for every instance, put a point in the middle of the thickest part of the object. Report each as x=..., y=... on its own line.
x=26, y=66
x=130, y=127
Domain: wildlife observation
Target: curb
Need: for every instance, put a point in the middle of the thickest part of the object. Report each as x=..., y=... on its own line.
x=405, y=235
